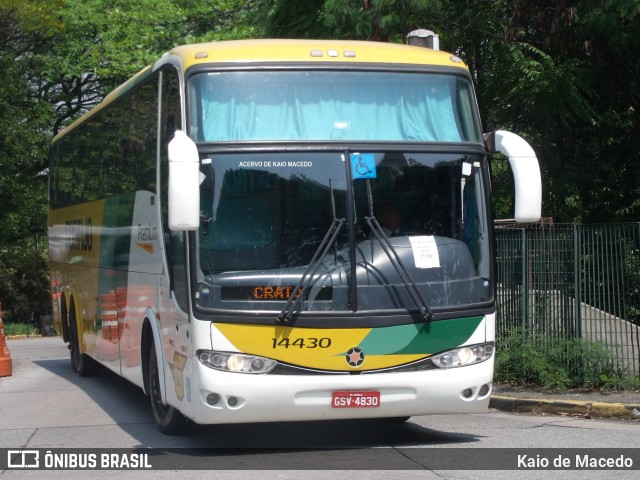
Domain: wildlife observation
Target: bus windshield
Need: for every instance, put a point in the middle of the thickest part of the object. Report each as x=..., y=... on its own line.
x=269, y=219
x=331, y=106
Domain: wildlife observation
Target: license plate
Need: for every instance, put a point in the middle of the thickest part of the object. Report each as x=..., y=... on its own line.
x=349, y=399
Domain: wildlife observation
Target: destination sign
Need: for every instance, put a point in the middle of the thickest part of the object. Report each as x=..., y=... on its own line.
x=269, y=293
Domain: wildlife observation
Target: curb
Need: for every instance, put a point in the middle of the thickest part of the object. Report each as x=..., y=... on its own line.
x=566, y=407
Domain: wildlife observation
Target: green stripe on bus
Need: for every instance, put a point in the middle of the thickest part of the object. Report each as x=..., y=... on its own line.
x=423, y=338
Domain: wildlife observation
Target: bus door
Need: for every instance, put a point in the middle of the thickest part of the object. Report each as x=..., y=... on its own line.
x=175, y=327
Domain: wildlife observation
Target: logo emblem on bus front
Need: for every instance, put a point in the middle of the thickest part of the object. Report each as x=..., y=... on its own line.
x=355, y=357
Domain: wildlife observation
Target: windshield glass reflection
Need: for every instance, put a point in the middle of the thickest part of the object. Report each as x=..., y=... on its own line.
x=270, y=219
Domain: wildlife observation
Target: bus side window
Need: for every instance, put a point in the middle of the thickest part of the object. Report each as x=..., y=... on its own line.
x=471, y=220
x=179, y=269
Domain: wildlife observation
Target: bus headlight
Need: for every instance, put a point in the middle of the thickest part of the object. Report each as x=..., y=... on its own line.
x=235, y=362
x=463, y=356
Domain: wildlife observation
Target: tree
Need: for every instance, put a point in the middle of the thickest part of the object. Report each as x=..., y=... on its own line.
x=58, y=58
x=559, y=73
x=24, y=135
x=104, y=42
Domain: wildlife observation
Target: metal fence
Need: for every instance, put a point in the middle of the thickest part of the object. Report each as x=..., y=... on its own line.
x=572, y=280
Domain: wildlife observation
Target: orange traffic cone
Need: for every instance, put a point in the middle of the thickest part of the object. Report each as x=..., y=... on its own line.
x=5, y=358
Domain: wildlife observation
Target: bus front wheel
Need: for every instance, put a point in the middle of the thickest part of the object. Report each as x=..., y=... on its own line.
x=168, y=418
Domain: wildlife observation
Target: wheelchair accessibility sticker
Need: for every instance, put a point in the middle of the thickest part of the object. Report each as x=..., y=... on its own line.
x=363, y=165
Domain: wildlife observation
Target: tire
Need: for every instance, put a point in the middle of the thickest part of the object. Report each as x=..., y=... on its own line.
x=81, y=363
x=170, y=421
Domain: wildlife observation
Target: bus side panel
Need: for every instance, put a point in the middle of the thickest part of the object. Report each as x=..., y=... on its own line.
x=75, y=242
x=89, y=248
x=141, y=293
x=116, y=232
x=146, y=294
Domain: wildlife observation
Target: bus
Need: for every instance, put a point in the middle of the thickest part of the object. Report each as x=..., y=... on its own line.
x=284, y=230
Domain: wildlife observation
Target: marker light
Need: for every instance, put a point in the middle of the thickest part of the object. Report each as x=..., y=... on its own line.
x=235, y=362
x=463, y=356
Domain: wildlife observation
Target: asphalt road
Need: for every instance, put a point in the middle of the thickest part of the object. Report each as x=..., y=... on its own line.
x=44, y=405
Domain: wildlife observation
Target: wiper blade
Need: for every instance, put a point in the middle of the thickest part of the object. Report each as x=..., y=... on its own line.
x=298, y=292
x=412, y=288
x=383, y=239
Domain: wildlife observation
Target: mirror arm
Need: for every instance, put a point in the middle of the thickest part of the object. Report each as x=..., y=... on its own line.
x=526, y=173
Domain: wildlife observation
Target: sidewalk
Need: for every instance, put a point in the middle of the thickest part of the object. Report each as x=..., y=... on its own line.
x=581, y=403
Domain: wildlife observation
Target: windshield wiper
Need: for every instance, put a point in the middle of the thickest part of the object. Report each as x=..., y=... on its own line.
x=383, y=239
x=293, y=302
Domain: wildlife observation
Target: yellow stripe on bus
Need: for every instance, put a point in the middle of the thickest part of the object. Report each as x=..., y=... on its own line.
x=322, y=349
x=280, y=50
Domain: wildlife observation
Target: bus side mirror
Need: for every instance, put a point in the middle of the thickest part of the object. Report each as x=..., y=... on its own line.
x=184, y=183
x=526, y=173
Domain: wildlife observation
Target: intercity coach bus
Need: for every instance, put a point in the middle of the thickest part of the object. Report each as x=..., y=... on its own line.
x=279, y=230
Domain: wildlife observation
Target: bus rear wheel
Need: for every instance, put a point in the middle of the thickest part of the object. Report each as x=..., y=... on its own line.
x=170, y=421
x=81, y=363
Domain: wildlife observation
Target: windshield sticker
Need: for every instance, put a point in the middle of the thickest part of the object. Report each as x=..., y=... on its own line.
x=275, y=164
x=425, y=251
x=363, y=165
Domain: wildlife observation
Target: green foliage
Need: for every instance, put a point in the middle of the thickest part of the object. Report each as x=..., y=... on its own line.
x=104, y=42
x=279, y=19
x=21, y=329
x=632, y=283
x=559, y=73
x=381, y=20
x=58, y=58
x=527, y=358
x=24, y=281
x=114, y=39
x=24, y=123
